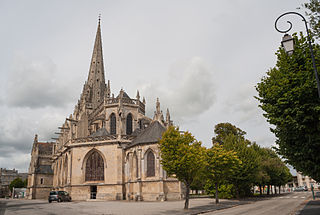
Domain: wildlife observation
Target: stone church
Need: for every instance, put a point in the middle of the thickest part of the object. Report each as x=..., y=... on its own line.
x=106, y=149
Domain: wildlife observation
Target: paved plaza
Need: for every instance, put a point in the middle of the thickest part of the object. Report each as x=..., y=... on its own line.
x=34, y=207
x=279, y=205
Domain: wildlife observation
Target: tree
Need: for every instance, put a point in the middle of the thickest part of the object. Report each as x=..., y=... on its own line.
x=262, y=177
x=220, y=165
x=25, y=183
x=314, y=16
x=272, y=170
x=289, y=98
x=246, y=174
x=198, y=182
x=182, y=156
x=16, y=183
x=224, y=129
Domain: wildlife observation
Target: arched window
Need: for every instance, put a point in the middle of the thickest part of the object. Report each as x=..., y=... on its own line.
x=113, y=129
x=129, y=124
x=150, y=164
x=94, y=167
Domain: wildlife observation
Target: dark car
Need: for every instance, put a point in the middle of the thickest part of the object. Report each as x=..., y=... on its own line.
x=59, y=196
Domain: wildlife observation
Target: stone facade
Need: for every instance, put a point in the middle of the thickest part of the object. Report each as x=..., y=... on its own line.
x=6, y=177
x=306, y=181
x=40, y=174
x=107, y=148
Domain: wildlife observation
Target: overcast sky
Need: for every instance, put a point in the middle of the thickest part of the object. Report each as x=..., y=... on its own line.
x=202, y=59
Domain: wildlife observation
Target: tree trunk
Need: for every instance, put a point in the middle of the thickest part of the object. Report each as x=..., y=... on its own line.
x=275, y=189
x=197, y=192
x=260, y=187
x=268, y=189
x=237, y=192
x=279, y=189
x=217, y=194
x=186, y=203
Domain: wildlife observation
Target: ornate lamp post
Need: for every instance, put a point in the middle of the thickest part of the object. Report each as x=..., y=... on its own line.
x=288, y=42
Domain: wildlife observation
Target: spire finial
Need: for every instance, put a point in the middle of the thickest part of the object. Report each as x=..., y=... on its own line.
x=99, y=18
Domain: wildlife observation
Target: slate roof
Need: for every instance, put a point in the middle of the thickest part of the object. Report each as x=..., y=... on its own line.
x=100, y=132
x=136, y=132
x=44, y=169
x=125, y=95
x=45, y=148
x=151, y=134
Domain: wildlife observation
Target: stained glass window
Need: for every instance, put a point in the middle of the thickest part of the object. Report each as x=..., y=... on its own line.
x=94, y=167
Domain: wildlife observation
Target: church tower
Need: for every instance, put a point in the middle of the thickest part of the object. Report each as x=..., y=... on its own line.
x=95, y=87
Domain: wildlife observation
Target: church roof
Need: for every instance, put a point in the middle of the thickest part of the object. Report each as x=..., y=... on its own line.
x=45, y=148
x=125, y=95
x=44, y=169
x=100, y=132
x=151, y=134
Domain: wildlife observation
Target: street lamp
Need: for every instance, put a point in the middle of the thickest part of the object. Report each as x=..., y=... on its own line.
x=288, y=44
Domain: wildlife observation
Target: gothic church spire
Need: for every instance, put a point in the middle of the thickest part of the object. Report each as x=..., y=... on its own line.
x=96, y=85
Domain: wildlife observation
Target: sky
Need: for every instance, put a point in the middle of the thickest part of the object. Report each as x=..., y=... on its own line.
x=201, y=58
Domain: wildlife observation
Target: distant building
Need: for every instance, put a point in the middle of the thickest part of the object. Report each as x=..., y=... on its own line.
x=40, y=173
x=306, y=181
x=6, y=177
x=106, y=149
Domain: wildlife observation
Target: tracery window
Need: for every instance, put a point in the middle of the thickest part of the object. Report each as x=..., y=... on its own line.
x=113, y=124
x=129, y=124
x=94, y=167
x=150, y=164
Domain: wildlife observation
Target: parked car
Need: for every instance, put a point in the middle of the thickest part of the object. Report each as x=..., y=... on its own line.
x=59, y=196
x=300, y=189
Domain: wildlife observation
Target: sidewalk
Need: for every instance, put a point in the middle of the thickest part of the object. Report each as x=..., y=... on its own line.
x=312, y=207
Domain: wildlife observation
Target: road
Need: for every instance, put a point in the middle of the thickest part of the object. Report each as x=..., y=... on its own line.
x=282, y=205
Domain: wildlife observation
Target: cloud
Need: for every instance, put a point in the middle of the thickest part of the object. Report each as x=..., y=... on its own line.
x=36, y=84
x=17, y=160
x=187, y=91
x=19, y=125
x=243, y=104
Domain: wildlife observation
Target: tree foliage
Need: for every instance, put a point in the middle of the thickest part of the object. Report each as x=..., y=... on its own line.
x=221, y=164
x=259, y=166
x=245, y=177
x=272, y=170
x=222, y=130
x=313, y=14
x=183, y=156
x=288, y=96
x=16, y=183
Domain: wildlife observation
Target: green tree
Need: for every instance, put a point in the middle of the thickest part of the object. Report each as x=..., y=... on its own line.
x=182, y=156
x=221, y=165
x=313, y=14
x=262, y=177
x=246, y=174
x=222, y=130
x=16, y=183
x=289, y=98
x=198, y=182
x=25, y=183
